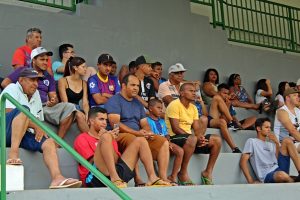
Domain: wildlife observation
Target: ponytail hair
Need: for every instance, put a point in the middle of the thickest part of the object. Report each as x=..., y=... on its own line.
x=71, y=63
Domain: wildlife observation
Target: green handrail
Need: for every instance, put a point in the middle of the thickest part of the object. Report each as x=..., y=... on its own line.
x=53, y=135
x=70, y=5
x=257, y=22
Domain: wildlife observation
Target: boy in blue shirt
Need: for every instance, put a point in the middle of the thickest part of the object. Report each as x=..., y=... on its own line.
x=159, y=127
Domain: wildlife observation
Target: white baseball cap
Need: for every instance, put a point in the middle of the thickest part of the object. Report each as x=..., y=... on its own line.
x=39, y=50
x=178, y=67
x=298, y=82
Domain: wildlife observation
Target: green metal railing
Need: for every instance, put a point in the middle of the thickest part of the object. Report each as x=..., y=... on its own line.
x=257, y=22
x=62, y=4
x=53, y=135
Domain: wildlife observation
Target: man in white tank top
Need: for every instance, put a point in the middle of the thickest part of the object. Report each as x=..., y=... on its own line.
x=287, y=118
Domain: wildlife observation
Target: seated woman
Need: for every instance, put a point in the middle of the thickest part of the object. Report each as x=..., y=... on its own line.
x=238, y=94
x=279, y=95
x=73, y=89
x=264, y=93
x=210, y=85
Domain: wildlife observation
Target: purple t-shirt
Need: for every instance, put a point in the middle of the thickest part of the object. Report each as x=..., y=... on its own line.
x=45, y=84
x=97, y=86
x=131, y=112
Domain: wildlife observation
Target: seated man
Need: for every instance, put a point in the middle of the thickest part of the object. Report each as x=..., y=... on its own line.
x=21, y=56
x=99, y=146
x=220, y=116
x=102, y=86
x=61, y=114
x=269, y=160
x=146, y=91
x=22, y=132
x=181, y=117
x=124, y=109
x=286, y=124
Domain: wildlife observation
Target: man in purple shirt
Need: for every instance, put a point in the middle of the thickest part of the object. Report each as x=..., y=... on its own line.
x=61, y=114
x=102, y=86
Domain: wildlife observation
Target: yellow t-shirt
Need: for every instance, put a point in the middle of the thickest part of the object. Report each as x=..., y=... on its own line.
x=186, y=116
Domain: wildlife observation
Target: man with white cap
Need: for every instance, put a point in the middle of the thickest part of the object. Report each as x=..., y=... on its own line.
x=169, y=90
x=61, y=114
x=286, y=124
x=22, y=132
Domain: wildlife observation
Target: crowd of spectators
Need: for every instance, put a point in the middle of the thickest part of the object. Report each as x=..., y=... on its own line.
x=137, y=114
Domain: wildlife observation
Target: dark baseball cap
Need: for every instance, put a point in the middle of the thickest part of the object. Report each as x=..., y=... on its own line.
x=106, y=58
x=142, y=60
x=290, y=91
x=29, y=73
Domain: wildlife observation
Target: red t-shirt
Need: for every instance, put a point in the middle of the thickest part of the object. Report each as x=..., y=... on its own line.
x=86, y=146
x=21, y=57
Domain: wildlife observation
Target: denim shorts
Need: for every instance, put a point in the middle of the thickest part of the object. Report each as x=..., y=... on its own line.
x=283, y=165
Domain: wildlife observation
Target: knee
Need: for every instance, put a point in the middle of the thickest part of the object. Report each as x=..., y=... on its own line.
x=191, y=141
x=204, y=120
x=140, y=141
x=49, y=144
x=223, y=123
x=215, y=140
x=106, y=137
x=79, y=115
x=217, y=98
x=287, y=141
x=282, y=176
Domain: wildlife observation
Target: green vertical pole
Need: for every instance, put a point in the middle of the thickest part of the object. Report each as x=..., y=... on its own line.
x=222, y=14
x=291, y=29
x=213, y=7
x=3, y=148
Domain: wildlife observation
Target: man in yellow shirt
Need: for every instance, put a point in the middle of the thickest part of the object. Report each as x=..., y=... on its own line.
x=181, y=118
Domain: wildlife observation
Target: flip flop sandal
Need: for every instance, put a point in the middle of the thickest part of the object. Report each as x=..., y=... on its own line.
x=159, y=183
x=14, y=161
x=185, y=183
x=206, y=181
x=64, y=184
x=120, y=184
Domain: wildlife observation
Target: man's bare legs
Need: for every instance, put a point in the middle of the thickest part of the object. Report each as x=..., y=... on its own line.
x=18, y=129
x=64, y=125
x=203, y=121
x=250, y=121
x=222, y=125
x=163, y=160
x=237, y=103
x=287, y=149
x=217, y=107
x=81, y=122
x=215, y=146
x=188, y=148
x=51, y=161
x=178, y=152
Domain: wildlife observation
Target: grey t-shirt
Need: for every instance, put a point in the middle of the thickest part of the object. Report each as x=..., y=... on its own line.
x=262, y=157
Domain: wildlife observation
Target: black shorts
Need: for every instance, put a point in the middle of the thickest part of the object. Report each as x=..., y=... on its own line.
x=124, y=172
x=180, y=141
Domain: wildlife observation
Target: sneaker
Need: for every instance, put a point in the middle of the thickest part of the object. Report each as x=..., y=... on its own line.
x=236, y=150
x=233, y=126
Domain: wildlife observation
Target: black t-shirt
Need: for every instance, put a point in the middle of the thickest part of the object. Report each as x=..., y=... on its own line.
x=147, y=89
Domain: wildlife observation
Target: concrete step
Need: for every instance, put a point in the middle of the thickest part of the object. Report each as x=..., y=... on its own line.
x=217, y=192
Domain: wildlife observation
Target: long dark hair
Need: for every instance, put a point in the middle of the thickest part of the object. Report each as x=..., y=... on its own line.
x=206, y=75
x=281, y=87
x=71, y=63
x=261, y=84
x=231, y=79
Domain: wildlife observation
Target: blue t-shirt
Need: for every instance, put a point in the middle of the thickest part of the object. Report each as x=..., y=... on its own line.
x=95, y=86
x=55, y=66
x=158, y=127
x=131, y=112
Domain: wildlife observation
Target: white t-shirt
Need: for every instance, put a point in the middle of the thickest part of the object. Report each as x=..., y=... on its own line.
x=34, y=104
x=258, y=97
x=279, y=98
x=280, y=131
x=262, y=157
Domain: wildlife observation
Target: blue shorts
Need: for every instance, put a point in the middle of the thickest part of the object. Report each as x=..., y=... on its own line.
x=284, y=165
x=28, y=141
